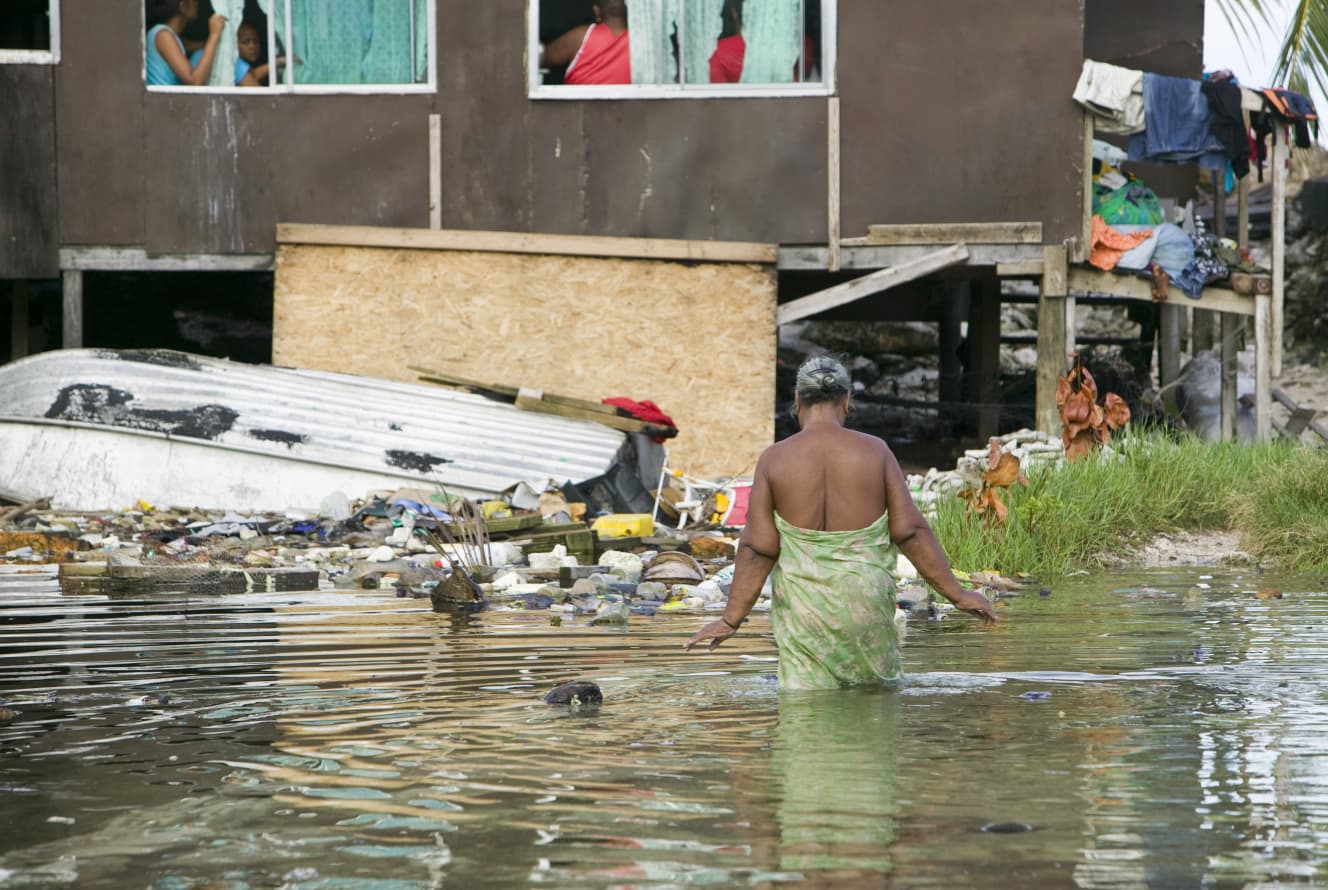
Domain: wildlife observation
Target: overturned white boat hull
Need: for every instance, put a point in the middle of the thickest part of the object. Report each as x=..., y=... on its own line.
x=99, y=429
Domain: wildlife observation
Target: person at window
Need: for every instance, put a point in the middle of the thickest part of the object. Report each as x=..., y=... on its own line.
x=828, y=506
x=599, y=53
x=726, y=61
x=250, y=69
x=168, y=64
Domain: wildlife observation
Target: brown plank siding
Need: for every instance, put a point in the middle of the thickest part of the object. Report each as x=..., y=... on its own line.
x=28, y=245
x=99, y=120
x=956, y=111
x=1165, y=38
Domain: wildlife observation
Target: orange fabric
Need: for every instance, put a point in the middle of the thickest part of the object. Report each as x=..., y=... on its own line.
x=1110, y=245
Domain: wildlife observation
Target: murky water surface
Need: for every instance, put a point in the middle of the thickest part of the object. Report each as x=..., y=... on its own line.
x=1151, y=730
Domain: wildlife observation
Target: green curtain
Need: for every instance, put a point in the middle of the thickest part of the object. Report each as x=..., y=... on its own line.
x=701, y=27
x=356, y=41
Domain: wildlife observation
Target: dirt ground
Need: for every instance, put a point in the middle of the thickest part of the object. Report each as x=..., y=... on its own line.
x=1210, y=548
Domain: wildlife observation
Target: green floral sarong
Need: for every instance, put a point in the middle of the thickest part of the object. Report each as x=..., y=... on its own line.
x=833, y=607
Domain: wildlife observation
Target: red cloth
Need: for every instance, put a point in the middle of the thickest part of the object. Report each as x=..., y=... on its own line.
x=644, y=411
x=604, y=57
x=726, y=62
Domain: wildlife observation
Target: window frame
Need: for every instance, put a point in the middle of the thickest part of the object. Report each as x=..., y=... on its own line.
x=536, y=89
x=308, y=89
x=38, y=56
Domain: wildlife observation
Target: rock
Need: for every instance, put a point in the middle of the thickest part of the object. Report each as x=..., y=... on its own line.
x=652, y=592
x=582, y=587
x=382, y=554
x=580, y=693
x=627, y=566
x=612, y=613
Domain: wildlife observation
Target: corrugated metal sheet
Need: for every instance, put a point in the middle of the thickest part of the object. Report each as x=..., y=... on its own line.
x=397, y=430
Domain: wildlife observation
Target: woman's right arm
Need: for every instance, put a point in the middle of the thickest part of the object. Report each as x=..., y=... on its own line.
x=199, y=76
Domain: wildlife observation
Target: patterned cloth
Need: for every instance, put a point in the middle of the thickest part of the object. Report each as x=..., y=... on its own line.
x=833, y=607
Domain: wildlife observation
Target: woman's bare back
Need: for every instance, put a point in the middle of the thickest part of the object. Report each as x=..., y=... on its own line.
x=828, y=478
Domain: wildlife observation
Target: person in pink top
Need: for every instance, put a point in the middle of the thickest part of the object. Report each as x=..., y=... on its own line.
x=594, y=54
x=726, y=61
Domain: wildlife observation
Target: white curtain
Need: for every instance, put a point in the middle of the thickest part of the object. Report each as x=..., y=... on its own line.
x=772, y=30
x=223, y=65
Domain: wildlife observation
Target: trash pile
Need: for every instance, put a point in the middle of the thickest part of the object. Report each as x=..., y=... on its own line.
x=535, y=549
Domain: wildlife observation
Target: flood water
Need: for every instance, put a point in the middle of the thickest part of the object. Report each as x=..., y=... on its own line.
x=1158, y=729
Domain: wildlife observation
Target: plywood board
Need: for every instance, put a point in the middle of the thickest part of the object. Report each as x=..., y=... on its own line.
x=698, y=339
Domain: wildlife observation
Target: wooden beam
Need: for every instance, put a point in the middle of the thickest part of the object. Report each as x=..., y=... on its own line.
x=72, y=325
x=1025, y=269
x=870, y=284
x=1263, y=366
x=1085, y=242
x=952, y=233
x=534, y=400
x=832, y=226
x=1051, y=351
x=1279, y=155
x=1232, y=326
x=984, y=330
x=1168, y=343
x=135, y=259
x=524, y=242
x=18, y=319
x=435, y=171
x=857, y=254
x=1085, y=280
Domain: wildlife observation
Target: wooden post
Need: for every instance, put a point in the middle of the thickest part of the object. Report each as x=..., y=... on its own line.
x=1051, y=352
x=1168, y=343
x=1279, y=156
x=1232, y=326
x=72, y=334
x=1243, y=213
x=1085, y=245
x=18, y=319
x=1263, y=366
x=1071, y=325
x=435, y=171
x=954, y=297
x=984, y=332
x=832, y=222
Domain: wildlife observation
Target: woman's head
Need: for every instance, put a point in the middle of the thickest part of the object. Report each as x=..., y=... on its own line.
x=159, y=12
x=822, y=378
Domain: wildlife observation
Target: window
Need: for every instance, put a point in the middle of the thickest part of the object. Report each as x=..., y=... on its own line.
x=586, y=49
x=30, y=32
x=334, y=45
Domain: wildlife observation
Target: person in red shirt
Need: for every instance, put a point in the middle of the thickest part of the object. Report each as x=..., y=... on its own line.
x=594, y=54
x=726, y=62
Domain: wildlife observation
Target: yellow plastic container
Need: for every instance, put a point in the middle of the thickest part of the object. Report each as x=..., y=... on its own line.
x=624, y=525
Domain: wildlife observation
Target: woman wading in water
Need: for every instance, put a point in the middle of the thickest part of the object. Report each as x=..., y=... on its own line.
x=828, y=508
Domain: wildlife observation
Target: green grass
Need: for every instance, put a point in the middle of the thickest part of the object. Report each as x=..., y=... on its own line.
x=1275, y=495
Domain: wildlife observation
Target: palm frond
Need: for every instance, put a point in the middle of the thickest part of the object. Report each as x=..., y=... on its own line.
x=1302, y=60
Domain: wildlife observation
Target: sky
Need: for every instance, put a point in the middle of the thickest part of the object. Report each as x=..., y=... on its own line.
x=1251, y=58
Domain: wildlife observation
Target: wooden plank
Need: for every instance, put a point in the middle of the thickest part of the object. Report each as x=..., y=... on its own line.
x=833, y=219
x=1085, y=242
x=72, y=332
x=1300, y=417
x=1025, y=269
x=1279, y=155
x=18, y=319
x=435, y=171
x=1243, y=208
x=1232, y=325
x=951, y=233
x=984, y=329
x=525, y=242
x=512, y=392
x=1087, y=280
x=135, y=259
x=1051, y=351
x=1263, y=366
x=856, y=253
x=870, y=284
x=533, y=400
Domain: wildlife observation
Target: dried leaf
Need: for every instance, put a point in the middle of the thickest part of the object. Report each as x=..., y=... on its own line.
x=1269, y=593
x=1080, y=445
x=1116, y=411
x=1004, y=472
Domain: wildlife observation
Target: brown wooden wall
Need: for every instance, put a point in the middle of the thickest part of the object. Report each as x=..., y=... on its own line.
x=952, y=111
x=28, y=244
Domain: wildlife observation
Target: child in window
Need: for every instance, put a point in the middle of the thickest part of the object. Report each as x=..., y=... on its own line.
x=248, y=71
